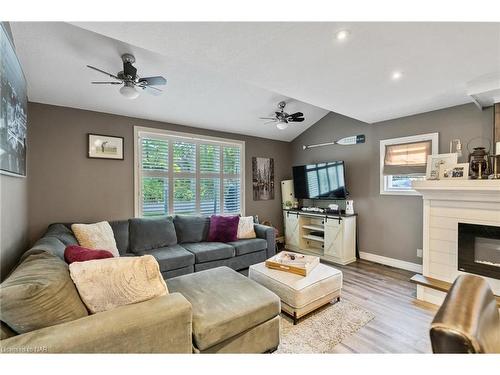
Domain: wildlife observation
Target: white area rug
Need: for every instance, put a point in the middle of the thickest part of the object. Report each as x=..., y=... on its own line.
x=321, y=330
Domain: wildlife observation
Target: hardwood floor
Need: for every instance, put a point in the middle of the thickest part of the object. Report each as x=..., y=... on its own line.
x=401, y=323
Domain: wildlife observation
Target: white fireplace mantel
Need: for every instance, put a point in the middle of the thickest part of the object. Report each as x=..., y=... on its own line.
x=445, y=204
x=469, y=190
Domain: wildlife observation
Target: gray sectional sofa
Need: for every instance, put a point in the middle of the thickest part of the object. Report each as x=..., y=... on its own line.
x=216, y=310
x=178, y=243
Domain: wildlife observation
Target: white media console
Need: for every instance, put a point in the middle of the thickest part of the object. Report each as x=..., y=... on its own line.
x=331, y=237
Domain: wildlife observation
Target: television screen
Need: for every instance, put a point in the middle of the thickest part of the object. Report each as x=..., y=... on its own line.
x=320, y=181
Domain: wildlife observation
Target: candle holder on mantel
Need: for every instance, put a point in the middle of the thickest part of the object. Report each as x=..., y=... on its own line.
x=496, y=157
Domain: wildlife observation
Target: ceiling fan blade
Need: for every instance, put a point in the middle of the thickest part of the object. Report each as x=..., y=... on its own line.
x=151, y=90
x=153, y=81
x=298, y=119
x=269, y=122
x=267, y=118
x=129, y=69
x=103, y=72
x=106, y=83
x=297, y=114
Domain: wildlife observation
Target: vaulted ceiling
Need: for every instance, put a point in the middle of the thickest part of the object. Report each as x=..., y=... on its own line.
x=223, y=76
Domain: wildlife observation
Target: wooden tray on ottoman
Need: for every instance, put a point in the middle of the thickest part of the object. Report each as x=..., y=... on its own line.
x=292, y=262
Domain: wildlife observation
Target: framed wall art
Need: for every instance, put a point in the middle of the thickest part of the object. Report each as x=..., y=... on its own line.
x=105, y=147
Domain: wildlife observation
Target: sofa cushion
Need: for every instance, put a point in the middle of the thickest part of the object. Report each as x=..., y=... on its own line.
x=171, y=257
x=151, y=233
x=209, y=251
x=39, y=293
x=62, y=233
x=98, y=236
x=120, y=230
x=248, y=246
x=225, y=304
x=191, y=228
x=105, y=284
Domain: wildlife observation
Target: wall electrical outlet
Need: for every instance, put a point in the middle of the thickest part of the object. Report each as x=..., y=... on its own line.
x=419, y=253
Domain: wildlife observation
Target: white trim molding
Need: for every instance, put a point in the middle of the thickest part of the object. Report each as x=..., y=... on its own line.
x=384, y=190
x=397, y=263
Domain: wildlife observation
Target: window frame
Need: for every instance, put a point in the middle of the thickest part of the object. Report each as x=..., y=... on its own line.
x=188, y=137
x=384, y=180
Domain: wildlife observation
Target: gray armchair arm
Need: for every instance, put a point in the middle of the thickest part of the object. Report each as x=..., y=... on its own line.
x=267, y=233
x=160, y=325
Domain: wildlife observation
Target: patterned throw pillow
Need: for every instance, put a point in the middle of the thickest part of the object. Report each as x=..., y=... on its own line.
x=105, y=284
x=245, y=228
x=98, y=236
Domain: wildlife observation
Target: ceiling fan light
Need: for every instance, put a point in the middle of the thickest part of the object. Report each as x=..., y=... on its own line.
x=282, y=125
x=128, y=90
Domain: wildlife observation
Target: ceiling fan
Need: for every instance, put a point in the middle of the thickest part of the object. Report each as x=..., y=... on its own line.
x=282, y=119
x=130, y=80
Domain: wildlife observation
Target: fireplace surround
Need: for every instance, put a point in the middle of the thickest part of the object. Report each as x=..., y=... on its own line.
x=451, y=207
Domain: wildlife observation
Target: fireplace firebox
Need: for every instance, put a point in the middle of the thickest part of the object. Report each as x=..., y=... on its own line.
x=479, y=249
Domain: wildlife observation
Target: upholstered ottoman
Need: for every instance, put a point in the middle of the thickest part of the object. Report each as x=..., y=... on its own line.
x=231, y=314
x=300, y=295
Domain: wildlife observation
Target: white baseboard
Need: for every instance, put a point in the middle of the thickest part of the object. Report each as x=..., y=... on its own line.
x=391, y=262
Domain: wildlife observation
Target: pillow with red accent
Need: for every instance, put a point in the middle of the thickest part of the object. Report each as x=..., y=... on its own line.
x=76, y=253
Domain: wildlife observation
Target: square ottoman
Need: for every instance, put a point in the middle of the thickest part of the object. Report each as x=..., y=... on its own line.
x=300, y=295
x=231, y=314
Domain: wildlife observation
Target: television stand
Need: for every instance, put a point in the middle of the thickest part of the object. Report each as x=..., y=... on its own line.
x=336, y=245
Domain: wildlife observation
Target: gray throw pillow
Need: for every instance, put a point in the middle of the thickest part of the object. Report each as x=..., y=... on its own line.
x=151, y=233
x=191, y=228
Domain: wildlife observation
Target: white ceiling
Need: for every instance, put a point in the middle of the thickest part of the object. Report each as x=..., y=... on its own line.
x=54, y=58
x=224, y=75
x=303, y=60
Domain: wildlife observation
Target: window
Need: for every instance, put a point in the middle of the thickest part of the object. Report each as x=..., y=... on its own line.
x=178, y=173
x=404, y=160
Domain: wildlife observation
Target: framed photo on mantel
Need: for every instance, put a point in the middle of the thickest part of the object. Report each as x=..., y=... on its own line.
x=105, y=147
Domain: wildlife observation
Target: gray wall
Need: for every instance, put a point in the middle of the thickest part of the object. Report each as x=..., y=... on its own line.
x=66, y=186
x=13, y=215
x=389, y=225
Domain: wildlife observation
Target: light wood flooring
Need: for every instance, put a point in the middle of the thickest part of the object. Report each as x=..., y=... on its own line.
x=401, y=323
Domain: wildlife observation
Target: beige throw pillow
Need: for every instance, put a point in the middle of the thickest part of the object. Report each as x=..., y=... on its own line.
x=245, y=228
x=98, y=236
x=105, y=284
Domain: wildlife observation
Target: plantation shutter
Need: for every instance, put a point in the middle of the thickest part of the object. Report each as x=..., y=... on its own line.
x=406, y=158
x=188, y=175
x=154, y=177
x=210, y=179
x=232, y=186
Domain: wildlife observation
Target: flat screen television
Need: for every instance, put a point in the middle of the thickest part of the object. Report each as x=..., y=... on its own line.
x=320, y=181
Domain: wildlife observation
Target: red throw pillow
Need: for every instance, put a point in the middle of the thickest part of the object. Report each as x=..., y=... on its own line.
x=223, y=228
x=76, y=253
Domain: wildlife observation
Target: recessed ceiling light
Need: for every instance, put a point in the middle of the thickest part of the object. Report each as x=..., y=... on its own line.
x=396, y=75
x=342, y=35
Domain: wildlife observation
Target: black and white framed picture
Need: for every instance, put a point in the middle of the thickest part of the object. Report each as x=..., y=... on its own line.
x=13, y=110
x=263, y=178
x=105, y=147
